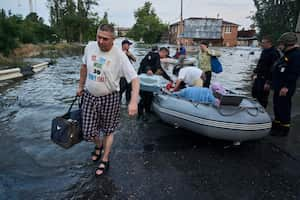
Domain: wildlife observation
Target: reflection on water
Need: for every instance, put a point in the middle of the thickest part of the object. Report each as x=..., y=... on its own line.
x=32, y=167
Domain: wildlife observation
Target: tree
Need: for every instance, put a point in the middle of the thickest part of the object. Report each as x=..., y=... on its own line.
x=8, y=34
x=72, y=21
x=148, y=26
x=274, y=17
x=15, y=30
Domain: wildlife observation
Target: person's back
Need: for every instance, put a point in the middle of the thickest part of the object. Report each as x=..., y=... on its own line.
x=189, y=75
x=150, y=61
x=182, y=51
x=288, y=69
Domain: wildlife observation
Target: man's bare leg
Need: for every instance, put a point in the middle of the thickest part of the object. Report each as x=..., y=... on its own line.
x=99, y=144
x=107, y=142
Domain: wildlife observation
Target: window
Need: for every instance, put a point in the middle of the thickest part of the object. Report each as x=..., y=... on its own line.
x=227, y=29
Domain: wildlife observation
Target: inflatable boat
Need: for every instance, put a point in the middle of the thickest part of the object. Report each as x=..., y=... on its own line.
x=236, y=119
x=152, y=83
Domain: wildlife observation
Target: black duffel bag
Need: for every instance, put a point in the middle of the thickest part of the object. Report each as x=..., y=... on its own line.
x=66, y=130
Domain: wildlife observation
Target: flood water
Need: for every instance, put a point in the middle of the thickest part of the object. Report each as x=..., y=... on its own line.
x=32, y=167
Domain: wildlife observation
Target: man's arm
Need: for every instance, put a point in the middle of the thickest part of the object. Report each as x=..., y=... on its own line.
x=131, y=56
x=132, y=107
x=177, y=85
x=83, y=73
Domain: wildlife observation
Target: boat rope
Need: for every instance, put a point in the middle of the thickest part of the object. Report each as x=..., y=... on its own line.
x=248, y=109
x=240, y=109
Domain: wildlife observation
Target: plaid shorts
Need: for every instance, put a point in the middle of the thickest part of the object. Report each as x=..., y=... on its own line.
x=100, y=115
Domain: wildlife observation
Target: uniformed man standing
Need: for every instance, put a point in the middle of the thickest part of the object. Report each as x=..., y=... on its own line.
x=285, y=74
x=262, y=73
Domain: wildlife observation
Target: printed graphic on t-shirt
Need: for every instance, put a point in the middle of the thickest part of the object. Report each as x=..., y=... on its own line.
x=96, y=73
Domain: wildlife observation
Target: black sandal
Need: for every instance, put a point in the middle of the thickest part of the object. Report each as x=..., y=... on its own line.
x=94, y=154
x=102, y=169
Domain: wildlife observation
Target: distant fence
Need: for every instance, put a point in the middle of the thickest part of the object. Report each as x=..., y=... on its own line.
x=21, y=72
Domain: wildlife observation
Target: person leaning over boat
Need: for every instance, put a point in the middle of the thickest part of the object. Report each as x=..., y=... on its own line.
x=190, y=76
x=262, y=73
x=103, y=65
x=124, y=85
x=204, y=61
x=150, y=65
x=284, y=77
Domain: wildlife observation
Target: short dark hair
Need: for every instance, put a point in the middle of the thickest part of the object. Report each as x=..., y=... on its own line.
x=267, y=38
x=164, y=49
x=205, y=42
x=107, y=28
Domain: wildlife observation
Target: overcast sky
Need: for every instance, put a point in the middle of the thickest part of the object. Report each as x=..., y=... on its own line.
x=121, y=12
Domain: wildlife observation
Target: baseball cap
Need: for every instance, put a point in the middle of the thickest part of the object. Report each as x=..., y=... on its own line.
x=126, y=42
x=288, y=38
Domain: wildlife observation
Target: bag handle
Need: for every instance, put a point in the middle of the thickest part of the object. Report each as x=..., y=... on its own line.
x=70, y=108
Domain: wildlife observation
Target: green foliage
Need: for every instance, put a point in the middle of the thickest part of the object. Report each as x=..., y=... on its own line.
x=148, y=26
x=8, y=34
x=14, y=30
x=276, y=17
x=74, y=22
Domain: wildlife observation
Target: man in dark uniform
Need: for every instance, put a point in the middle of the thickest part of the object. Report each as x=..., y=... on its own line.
x=151, y=65
x=285, y=74
x=262, y=72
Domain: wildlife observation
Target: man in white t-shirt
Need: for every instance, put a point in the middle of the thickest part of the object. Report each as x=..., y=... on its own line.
x=190, y=76
x=103, y=66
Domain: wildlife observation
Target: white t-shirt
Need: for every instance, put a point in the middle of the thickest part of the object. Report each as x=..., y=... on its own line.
x=189, y=75
x=104, y=69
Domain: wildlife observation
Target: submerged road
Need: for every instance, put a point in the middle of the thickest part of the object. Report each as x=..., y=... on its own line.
x=149, y=160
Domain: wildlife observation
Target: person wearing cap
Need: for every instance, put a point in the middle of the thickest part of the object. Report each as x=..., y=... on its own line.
x=189, y=76
x=124, y=85
x=125, y=47
x=204, y=61
x=284, y=77
x=262, y=74
x=150, y=65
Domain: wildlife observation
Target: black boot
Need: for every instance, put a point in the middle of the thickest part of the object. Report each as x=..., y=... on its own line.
x=284, y=130
x=276, y=128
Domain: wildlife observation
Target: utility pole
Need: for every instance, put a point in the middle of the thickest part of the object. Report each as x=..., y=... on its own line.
x=30, y=6
x=298, y=28
x=180, y=32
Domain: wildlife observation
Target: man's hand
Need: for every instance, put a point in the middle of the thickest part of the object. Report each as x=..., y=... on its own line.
x=267, y=87
x=132, y=108
x=283, y=91
x=79, y=91
x=149, y=72
x=253, y=76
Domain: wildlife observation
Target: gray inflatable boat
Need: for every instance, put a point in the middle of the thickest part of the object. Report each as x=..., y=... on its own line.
x=236, y=119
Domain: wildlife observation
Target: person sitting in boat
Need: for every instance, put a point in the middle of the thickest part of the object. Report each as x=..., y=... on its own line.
x=218, y=88
x=190, y=76
x=198, y=95
x=182, y=50
x=177, y=54
x=151, y=65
